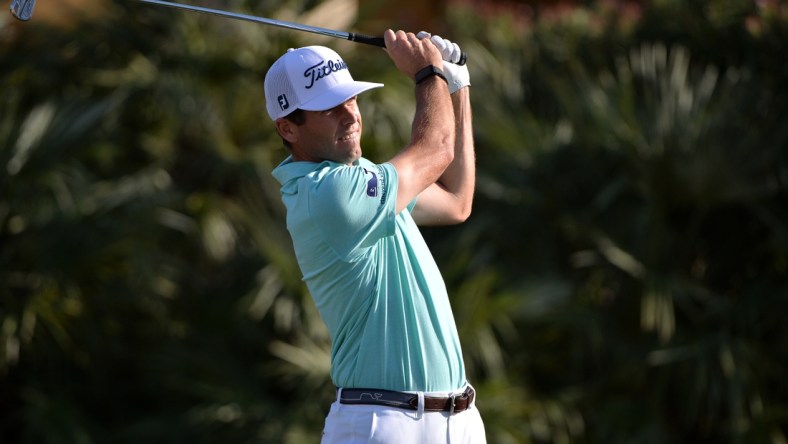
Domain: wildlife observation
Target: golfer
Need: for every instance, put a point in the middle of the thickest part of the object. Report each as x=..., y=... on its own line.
x=395, y=358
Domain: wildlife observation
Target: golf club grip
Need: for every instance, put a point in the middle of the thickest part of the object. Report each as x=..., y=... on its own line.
x=378, y=41
x=367, y=39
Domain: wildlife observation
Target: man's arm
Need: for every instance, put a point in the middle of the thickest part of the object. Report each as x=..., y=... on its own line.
x=431, y=149
x=450, y=199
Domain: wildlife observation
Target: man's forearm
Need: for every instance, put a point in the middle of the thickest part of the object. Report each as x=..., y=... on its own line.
x=431, y=149
x=433, y=120
x=459, y=178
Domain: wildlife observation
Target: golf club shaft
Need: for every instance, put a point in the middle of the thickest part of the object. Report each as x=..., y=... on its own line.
x=23, y=10
x=360, y=38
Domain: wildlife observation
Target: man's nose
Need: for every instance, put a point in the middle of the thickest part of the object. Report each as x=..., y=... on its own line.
x=349, y=113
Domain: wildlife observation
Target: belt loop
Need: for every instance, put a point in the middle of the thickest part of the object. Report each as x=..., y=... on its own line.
x=452, y=398
x=420, y=410
x=339, y=398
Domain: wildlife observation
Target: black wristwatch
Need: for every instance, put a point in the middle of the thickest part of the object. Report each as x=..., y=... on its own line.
x=427, y=71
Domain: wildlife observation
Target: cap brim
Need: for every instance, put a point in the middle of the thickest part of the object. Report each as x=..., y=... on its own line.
x=338, y=95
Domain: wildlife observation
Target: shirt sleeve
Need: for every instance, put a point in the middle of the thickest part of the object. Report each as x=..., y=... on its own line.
x=355, y=207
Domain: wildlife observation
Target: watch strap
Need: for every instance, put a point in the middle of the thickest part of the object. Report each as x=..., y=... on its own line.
x=428, y=71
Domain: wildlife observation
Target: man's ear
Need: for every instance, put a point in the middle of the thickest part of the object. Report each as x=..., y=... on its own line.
x=287, y=129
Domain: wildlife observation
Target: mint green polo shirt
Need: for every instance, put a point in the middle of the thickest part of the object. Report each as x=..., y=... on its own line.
x=372, y=277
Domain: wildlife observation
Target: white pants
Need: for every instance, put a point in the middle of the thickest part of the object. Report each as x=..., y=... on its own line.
x=356, y=424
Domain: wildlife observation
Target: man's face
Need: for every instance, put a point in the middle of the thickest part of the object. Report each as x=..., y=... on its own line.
x=333, y=134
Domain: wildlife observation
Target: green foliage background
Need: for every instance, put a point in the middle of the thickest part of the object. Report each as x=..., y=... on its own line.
x=623, y=277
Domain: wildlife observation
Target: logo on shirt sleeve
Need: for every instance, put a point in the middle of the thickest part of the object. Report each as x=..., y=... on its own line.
x=372, y=184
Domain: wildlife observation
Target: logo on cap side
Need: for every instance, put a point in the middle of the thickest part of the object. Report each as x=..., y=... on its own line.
x=283, y=102
x=323, y=69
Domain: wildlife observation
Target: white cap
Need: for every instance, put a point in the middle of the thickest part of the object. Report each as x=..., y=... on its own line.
x=312, y=78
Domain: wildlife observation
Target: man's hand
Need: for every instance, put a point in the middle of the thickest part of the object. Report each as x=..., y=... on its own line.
x=458, y=76
x=410, y=53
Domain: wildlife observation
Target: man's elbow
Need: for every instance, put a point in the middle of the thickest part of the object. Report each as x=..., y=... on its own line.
x=460, y=215
x=464, y=214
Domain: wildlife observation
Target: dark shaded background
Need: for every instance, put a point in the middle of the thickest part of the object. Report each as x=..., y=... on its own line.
x=622, y=278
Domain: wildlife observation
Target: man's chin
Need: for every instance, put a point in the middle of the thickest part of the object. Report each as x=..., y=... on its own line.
x=353, y=156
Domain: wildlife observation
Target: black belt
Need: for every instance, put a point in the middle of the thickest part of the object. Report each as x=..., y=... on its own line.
x=409, y=401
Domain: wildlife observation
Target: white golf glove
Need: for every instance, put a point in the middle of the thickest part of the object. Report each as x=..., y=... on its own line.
x=457, y=75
